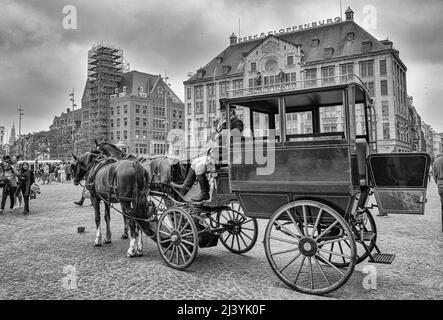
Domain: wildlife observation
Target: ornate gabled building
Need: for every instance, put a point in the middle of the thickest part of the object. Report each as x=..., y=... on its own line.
x=143, y=109
x=65, y=134
x=318, y=54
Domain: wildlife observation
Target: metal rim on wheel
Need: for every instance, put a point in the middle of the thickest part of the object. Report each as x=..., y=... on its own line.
x=240, y=232
x=294, y=241
x=177, y=238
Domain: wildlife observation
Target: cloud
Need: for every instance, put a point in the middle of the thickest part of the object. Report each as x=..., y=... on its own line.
x=41, y=62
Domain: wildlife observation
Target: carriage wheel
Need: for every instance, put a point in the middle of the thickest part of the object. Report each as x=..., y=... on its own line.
x=177, y=238
x=294, y=241
x=240, y=232
x=368, y=224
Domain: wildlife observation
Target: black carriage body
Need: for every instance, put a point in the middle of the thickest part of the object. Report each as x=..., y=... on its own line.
x=332, y=167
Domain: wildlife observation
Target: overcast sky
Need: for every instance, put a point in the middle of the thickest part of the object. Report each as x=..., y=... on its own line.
x=40, y=61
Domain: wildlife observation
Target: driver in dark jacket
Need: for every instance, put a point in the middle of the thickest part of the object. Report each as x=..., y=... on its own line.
x=198, y=166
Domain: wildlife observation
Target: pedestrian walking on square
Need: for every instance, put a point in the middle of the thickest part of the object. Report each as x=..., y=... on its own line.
x=46, y=173
x=9, y=176
x=68, y=170
x=18, y=201
x=438, y=177
x=26, y=178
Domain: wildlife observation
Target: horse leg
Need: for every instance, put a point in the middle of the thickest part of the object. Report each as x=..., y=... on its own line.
x=125, y=227
x=108, y=224
x=132, y=250
x=139, y=242
x=98, y=230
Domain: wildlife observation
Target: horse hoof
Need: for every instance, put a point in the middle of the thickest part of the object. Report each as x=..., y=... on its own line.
x=124, y=236
x=97, y=244
x=130, y=255
x=139, y=253
x=107, y=241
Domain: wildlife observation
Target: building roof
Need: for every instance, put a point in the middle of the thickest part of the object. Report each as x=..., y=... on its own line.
x=331, y=35
x=133, y=80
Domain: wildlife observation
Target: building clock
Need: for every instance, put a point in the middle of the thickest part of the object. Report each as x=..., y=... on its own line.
x=271, y=65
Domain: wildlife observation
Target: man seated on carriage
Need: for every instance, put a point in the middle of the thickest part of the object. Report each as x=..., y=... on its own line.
x=199, y=165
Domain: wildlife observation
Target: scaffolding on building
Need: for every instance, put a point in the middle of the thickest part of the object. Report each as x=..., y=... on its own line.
x=105, y=71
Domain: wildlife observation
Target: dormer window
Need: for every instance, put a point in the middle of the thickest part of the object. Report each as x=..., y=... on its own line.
x=200, y=73
x=219, y=60
x=315, y=42
x=124, y=88
x=116, y=90
x=253, y=67
x=226, y=69
x=140, y=89
x=350, y=36
x=366, y=46
x=329, y=52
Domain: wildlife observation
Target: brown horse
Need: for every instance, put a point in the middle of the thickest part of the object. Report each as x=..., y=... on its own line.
x=116, y=181
x=161, y=170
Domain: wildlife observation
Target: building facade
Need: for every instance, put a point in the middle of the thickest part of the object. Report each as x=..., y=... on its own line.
x=322, y=54
x=143, y=109
x=65, y=134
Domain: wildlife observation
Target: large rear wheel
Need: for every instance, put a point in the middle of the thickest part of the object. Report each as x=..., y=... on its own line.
x=294, y=244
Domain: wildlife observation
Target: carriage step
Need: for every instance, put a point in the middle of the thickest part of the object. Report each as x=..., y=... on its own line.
x=367, y=235
x=385, y=258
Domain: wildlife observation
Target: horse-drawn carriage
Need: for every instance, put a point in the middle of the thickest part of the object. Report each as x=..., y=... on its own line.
x=307, y=162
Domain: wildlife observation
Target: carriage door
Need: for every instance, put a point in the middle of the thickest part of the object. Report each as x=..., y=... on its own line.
x=399, y=181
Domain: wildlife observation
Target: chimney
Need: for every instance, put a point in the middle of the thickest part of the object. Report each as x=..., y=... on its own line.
x=387, y=43
x=232, y=39
x=68, y=110
x=349, y=13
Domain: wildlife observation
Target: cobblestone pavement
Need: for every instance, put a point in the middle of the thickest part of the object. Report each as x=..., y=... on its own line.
x=38, y=252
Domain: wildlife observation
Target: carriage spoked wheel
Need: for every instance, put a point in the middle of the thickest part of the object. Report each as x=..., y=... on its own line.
x=294, y=244
x=240, y=232
x=177, y=238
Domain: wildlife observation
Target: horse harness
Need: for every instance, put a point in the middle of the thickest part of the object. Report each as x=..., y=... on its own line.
x=113, y=187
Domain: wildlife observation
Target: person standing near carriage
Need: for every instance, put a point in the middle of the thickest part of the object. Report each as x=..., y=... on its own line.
x=26, y=178
x=9, y=176
x=437, y=171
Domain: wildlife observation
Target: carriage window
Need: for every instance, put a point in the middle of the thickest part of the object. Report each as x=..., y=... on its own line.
x=332, y=121
x=260, y=124
x=360, y=119
x=298, y=123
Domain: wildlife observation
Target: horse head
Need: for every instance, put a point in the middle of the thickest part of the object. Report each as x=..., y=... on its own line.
x=110, y=150
x=82, y=166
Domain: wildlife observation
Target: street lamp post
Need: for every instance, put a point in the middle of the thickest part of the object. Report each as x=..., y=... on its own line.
x=20, y=115
x=72, y=99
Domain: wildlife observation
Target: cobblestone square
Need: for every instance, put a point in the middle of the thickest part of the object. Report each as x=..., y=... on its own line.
x=43, y=257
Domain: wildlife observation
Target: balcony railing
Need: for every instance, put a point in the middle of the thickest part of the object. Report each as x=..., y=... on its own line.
x=296, y=85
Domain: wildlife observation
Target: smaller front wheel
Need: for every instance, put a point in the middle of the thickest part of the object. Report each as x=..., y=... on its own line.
x=240, y=232
x=177, y=238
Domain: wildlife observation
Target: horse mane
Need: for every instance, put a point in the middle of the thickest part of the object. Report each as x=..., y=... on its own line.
x=115, y=151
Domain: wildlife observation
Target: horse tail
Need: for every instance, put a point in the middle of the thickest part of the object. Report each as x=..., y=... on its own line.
x=140, y=203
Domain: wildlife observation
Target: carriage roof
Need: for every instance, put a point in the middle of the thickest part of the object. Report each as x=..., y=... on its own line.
x=296, y=98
